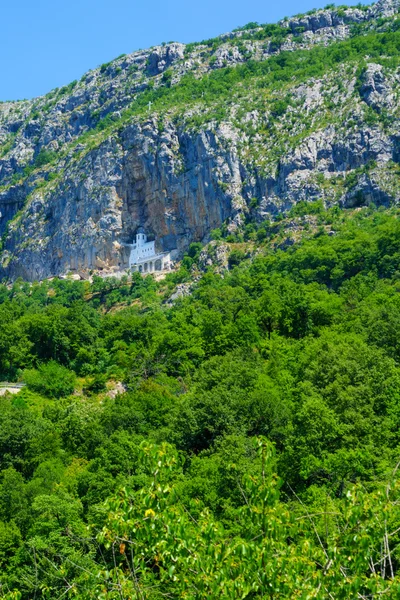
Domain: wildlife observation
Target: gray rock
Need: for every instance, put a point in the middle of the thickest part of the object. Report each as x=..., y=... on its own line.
x=215, y=254
x=181, y=291
x=73, y=191
x=162, y=57
x=375, y=89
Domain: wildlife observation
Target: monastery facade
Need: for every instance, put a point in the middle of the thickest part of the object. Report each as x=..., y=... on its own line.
x=143, y=256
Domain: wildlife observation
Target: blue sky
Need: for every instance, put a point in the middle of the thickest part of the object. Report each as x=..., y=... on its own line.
x=48, y=43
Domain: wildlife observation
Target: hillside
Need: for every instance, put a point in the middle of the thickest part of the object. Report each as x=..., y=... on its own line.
x=183, y=139
x=229, y=432
x=230, y=428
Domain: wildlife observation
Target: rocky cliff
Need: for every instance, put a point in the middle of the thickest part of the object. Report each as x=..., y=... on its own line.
x=181, y=139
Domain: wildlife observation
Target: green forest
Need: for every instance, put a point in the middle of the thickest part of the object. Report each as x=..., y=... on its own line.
x=241, y=441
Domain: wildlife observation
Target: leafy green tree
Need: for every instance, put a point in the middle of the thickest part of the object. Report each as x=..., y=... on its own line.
x=157, y=545
x=51, y=379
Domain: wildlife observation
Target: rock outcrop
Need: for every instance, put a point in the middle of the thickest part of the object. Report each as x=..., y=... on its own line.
x=84, y=166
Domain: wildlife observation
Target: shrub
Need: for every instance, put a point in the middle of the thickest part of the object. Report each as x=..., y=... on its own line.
x=216, y=234
x=44, y=157
x=96, y=384
x=167, y=77
x=236, y=257
x=251, y=25
x=194, y=250
x=51, y=380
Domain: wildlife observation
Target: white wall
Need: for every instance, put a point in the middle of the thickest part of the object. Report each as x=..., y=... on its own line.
x=144, y=252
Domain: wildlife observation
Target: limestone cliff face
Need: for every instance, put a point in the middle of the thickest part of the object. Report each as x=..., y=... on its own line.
x=168, y=183
x=80, y=170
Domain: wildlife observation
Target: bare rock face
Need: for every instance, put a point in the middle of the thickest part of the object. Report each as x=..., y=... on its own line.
x=384, y=8
x=162, y=57
x=169, y=183
x=324, y=19
x=338, y=17
x=215, y=254
x=375, y=89
x=182, y=290
x=366, y=191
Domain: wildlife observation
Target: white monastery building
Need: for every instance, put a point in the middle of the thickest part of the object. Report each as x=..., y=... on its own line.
x=143, y=256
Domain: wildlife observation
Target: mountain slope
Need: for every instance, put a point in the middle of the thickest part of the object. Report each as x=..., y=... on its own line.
x=180, y=139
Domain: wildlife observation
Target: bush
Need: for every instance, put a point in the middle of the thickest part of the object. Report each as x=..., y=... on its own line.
x=44, y=157
x=51, y=380
x=194, y=250
x=236, y=257
x=167, y=77
x=96, y=385
x=279, y=107
x=216, y=234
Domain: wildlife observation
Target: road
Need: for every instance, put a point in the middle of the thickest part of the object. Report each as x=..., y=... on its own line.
x=12, y=388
